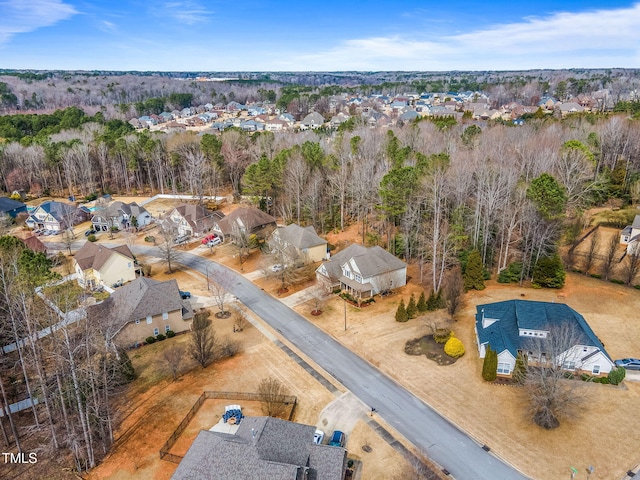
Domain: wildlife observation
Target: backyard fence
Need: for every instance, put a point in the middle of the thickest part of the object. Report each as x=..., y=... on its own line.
x=288, y=400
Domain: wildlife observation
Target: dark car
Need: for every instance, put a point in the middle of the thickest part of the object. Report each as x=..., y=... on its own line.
x=89, y=232
x=337, y=439
x=628, y=363
x=185, y=295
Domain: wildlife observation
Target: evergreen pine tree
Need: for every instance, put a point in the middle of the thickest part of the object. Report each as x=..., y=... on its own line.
x=490, y=365
x=422, y=303
x=473, y=274
x=431, y=302
x=440, y=302
x=412, y=310
x=401, y=313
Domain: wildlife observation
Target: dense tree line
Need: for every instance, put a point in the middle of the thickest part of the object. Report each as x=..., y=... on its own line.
x=425, y=191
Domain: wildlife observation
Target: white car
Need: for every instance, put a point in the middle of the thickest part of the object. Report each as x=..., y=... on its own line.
x=318, y=437
x=214, y=242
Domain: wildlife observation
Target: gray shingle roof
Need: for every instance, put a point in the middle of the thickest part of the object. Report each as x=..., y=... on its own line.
x=526, y=314
x=300, y=237
x=8, y=204
x=636, y=222
x=250, y=218
x=262, y=448
x=138, y=299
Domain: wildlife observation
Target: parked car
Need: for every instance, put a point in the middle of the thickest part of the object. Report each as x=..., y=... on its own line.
x=318, y=437
x=276, y=268
x=214, y=242
x=89, y=232
x=628, y=363
x=181, y=239
x=337, y=439
x=209, y=238
x=185, y=295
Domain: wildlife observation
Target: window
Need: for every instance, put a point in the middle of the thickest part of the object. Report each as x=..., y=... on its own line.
x=504, y=368
x=137, y=321
x=129, y=264
x=358, y=278
x=149, y=319
x=156, y=331
x=569, y=365
x=596, y=369
x=165, y=316
x=167, y=328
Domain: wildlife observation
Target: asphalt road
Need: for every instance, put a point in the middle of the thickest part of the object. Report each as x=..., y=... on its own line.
x=439, y=439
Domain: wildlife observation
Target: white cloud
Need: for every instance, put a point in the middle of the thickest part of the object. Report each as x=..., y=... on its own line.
x=601, y=38
x=187, y=11
x=21, y=16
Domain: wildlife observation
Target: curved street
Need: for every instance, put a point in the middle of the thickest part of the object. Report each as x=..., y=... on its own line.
x=434, y=435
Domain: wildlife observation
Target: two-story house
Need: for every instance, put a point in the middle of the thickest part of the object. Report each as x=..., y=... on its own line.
x=302, y=244
x=141, y=309
x=245, y=221
x=56, y=216
x=120, y=215
x=363, y=272
x=193, y=220
x=97, y=265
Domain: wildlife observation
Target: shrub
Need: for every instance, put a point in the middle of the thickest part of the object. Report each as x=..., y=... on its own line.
x=616, y=281
x=490, y=365
x=412, y=310
x=454, y=347
x=160, y=337
x=595, y=275
x=520, y=370
x=637, y=287
x=422, y=303
x=114, y=228
x=401, y=312
x=474, y=272
x=150, y=340
x=91, y=238
x=150, y=239
x=549, y=272
x=511, y=273
x=171, y=334
x=616, y=375
x=441, y=335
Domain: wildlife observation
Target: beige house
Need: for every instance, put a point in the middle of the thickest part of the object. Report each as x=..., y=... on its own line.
x=245, y=221
x=143, y=308
x=302, y=244
x=98, y=265
x=193, y=220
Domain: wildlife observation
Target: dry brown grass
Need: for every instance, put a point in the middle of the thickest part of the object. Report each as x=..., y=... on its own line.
x=494, y=415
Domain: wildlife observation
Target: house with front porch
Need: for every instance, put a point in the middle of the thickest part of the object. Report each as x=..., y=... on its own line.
x=56, y=216
x=363, y=272
x=302, y=243
x=193, y=220
x=120, y=215
x=528, y=327
x=97, y=265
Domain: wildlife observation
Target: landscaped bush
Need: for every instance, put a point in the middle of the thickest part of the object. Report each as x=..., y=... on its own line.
x=160, y=337
x=114, y=228
x=442, y=335
x=595, y=275
x=454, y=347
x=616, y=281
x=91, y=238
x=511, y=273
x=150, y=340
x=171, y=334
x=401, y=312
x=616, y=376
x=490, y=365
x=150, y=239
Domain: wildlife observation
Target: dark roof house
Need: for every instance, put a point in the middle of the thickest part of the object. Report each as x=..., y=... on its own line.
x=11, y=207
x=262, y=448
x=523, y=325
x=249, y=220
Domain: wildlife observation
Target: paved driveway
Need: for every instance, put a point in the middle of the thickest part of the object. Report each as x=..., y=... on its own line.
x=440, y=440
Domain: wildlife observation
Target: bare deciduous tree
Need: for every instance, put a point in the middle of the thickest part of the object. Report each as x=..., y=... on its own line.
x=592, y=250
x=272, y=395
x=609, y=257
x=202, y=343
x=167, y=245
x=173, y=357
x=219, y=287
x=632, y=264
x=550, y=395
x=454, y=291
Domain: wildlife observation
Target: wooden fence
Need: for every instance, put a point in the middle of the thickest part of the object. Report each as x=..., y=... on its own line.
x=288, y=400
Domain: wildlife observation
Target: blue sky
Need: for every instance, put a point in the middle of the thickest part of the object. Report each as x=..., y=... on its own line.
x=261, y=35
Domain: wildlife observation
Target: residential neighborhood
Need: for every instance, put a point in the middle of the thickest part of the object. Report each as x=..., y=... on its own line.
x=252, y=278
